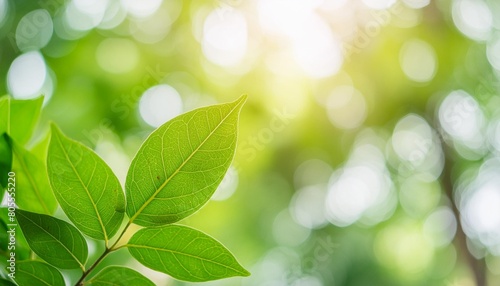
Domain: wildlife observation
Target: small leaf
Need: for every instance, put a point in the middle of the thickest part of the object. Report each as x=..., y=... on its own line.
x=184, y=253
x=54, y=240
x=29, y=273
x=119, y=276
x=5, y=161
x=181, y=163
x=31, y=178
x=19, y=117
x=86, y=188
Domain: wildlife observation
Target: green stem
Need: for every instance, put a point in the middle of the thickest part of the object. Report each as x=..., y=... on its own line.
x=87, y=272
x=101, y=258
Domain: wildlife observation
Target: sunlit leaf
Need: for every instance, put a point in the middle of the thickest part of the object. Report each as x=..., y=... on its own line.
x=184, y=253
x=40, y=147
x=19, y=117
x=86, y=188
x=54, y=240
x=5, y=161
x=29, y=273
x=119, y=276
x=181, y=163
x=31, y=179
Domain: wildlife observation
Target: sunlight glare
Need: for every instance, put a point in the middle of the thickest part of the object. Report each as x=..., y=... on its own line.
x=225, y=39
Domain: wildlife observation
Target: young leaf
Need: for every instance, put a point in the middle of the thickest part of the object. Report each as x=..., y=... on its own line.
x=29, y=273
x=184, y=253
x=31, y=178
x=119, y=276
x=179, y=166
x=5, y=161
x=19, y=117
x=86, y=188
x=54, y=240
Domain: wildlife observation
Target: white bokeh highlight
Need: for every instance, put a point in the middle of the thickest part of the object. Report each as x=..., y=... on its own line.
x=418, y=61
x=461, y=116
x=361, y=190
x=308, y=206
x=27, y=76
x=225, y=39
x=159, y=104
x=346, y=107
x=473, y=18
x=479, y=207
x=34, y=30
x=141, y=8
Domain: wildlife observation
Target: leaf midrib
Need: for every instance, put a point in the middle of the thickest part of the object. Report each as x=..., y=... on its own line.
x=159, y=189
x=30, y=179
x=185, y=254
x=101, y=223
x=57, y=240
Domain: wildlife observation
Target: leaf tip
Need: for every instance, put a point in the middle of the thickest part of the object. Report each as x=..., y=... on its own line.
x=54, y=130
x=241, y=100
x=245, y=273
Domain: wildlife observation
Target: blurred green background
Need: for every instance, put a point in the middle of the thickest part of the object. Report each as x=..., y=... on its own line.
x=369, y=146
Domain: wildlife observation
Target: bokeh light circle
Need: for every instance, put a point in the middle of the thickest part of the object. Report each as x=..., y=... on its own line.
x=27, y=75
x=159, y=104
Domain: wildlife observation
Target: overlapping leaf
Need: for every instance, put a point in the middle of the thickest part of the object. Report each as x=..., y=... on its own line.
x=22, y=247
x=180, y=164
x=30, y=273
x=4, y=282
x=40, y=147
x=184, y=253
x=86, y=188
x=5, y=161
x=18, y=118
x=119, y=276
x=31, y=179
x=54, y=240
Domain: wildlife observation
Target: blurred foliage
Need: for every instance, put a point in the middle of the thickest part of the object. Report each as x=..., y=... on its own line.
x=362, y=117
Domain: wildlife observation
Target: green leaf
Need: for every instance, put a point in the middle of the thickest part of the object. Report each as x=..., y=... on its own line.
x=179, y=166
x=86, y=188
x=19, y=117
x=29, y=273
x=40, y=147
x=184, y=253
x=31, y=179
x=22, y=249
x=54, y=240
x=4, y=282
x=119, y=276
x=5, y=161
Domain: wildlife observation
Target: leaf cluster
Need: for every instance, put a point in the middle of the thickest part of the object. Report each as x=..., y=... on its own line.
x=173, y=174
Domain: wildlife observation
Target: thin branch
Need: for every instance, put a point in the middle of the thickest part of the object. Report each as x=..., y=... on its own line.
x=101, y=258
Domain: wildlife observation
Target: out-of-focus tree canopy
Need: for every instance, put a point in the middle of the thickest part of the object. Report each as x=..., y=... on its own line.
x=369, y=146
